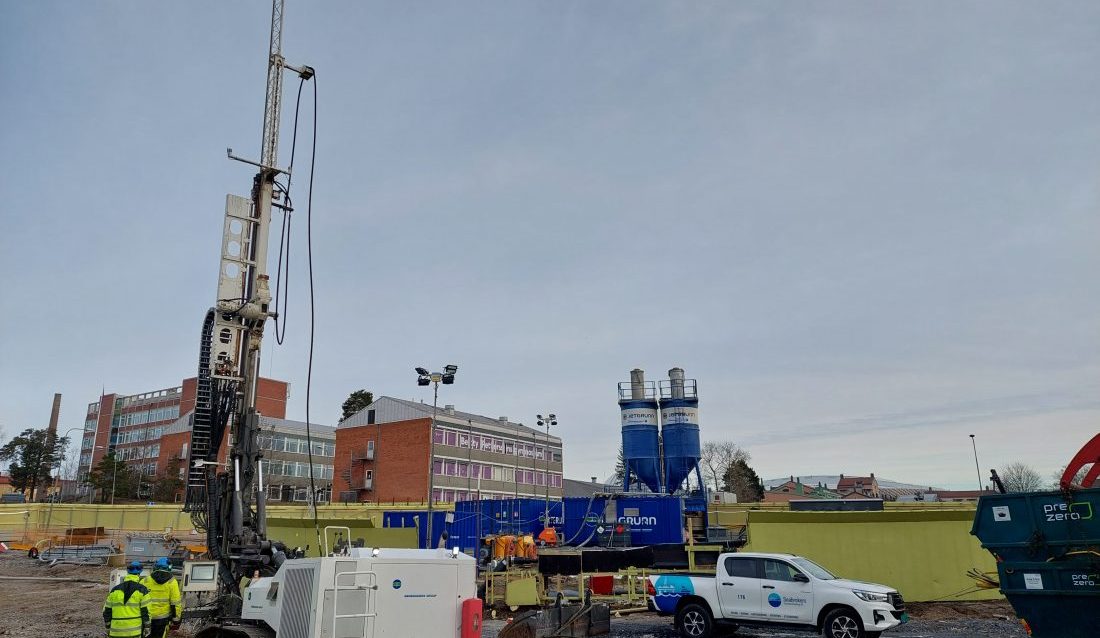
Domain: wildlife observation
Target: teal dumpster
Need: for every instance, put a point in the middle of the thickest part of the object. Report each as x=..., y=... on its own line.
x=1037, y=526
x=1059, y=599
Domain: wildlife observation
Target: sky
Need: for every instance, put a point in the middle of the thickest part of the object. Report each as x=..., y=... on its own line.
x=868, y=230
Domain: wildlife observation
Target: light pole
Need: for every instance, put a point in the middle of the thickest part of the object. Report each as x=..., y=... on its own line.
x=447, y=377
x=976, y=466
x=551, y=419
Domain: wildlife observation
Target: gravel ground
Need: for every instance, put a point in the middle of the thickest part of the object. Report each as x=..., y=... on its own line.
x=981, y=620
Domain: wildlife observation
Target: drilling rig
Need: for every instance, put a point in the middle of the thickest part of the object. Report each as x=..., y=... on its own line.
x=349, y=592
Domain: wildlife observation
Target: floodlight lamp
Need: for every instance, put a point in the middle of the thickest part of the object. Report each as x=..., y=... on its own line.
x=539, y=416
x=423, y=381
x=450, y=369
x=553, y=416
x=553, y=423
x=540, y=422
x=422, y=371
x=447, y=379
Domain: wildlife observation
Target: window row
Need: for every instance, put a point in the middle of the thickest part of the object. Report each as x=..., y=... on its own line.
x=489, y=472
x=146, y=416
x=457, y=438
x=290, y=493
x=458, y=496
x=136, y=436
x=296, y=444
x=138, y=452
x=297, y=469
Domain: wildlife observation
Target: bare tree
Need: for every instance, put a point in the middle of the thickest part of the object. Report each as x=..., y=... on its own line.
x=1056, y=482
x=1021, y=477
x=716, y=459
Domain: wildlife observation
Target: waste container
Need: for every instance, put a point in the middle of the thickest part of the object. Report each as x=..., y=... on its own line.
x=1036, y=526
x=1058, y=599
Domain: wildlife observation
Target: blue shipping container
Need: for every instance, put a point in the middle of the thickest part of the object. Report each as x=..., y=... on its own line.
x=477, y=519
x=653, y=519
x=419, y=518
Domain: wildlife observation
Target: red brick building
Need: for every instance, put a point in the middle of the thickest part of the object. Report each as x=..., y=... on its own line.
x=134, y=427
x=382, y=456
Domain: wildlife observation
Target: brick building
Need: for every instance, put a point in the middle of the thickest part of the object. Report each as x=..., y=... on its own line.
x=134, y=426
x=382, y=455
x=858, y=487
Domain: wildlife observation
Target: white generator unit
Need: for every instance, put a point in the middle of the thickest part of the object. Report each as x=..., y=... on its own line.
x=722, y=498
x=366, y=593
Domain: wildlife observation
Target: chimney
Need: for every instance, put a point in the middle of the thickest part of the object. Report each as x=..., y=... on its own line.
x=792, y=478
x=872, y=475
x=55, y=412
x=841, y=476
x=593, y=479
x=449, y=409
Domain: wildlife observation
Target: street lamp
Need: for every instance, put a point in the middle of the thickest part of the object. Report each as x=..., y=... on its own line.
x=447, y=377
x=976, y=466
x=114, y=474
x=550, y=419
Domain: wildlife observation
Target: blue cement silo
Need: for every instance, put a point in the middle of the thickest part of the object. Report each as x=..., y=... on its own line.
x=641, y=436
x=680, y=430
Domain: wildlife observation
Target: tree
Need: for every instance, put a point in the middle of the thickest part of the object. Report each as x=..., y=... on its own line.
x=355, y=402
x=620, y=468
x=742, y=480
x=111, y=474
x=1020, y=477
x=167, y=484
x=32, y=456
x=1056, y=483
x=716, y=459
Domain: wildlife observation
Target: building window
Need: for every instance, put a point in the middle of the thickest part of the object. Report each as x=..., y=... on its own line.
x=437, y=436
x=463, y=440
x=301, y=495
x=437, y=468
x=274, y=492
x=370, y=448
x=370, y=475
x=370, y=417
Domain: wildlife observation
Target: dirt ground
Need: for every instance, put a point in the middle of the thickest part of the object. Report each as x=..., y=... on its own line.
x=64, y=609
x=37, y=609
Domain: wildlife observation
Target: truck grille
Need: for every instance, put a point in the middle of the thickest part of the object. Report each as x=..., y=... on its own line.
x=297, y=594
x=896, y=600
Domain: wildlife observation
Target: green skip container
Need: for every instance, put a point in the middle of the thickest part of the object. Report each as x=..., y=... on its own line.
x=1059, y=599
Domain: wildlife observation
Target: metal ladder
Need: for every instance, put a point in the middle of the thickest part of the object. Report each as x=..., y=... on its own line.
x=368, y=614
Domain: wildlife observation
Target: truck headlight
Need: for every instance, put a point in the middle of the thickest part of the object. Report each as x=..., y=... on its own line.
x=870, y=596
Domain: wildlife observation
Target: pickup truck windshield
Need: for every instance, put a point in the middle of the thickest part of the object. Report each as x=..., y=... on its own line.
x=817, y=570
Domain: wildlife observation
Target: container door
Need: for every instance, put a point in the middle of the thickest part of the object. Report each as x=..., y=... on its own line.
x=784, y=598
x=739, y=587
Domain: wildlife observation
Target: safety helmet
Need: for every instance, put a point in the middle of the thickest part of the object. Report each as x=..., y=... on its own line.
x=162, y=563
x=134, y=567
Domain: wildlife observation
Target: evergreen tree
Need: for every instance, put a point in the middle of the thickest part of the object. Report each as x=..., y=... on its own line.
x=355, y=402
x=32, y=455
x=743, y=481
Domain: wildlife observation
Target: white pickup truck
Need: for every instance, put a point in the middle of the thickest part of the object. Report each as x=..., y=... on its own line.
x=775, y=589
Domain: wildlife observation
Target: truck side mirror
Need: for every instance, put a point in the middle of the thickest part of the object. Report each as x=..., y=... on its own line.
x=801, y=578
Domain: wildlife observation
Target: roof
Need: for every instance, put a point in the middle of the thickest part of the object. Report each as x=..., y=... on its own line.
x=5, y=479
x=573, y=487
x=286, y=426
x=390, y=410
x=849, y=482
x=961, y=493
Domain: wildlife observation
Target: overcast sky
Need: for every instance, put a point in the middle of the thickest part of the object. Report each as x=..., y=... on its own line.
x=867, y=229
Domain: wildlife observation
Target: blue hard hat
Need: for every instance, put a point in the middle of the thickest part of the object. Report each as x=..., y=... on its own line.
x=134, y=567
x=162, y=563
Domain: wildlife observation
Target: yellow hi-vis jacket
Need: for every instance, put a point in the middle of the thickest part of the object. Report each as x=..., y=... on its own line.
x=126, y=612
x=164, y=595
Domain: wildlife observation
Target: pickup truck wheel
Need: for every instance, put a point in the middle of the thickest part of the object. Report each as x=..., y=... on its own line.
x=843, y=623
x=694, y=621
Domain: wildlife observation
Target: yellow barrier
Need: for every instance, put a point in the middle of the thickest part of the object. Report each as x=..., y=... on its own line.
x=291, y=524
x=924, y=553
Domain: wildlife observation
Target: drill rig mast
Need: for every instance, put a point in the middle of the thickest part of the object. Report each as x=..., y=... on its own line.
x=230, y=505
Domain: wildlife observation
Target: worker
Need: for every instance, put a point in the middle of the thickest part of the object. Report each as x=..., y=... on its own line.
x=126, y=611
x=165, y=605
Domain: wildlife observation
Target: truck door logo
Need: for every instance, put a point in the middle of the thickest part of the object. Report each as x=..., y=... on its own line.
x=775, y=599
x=397, y=583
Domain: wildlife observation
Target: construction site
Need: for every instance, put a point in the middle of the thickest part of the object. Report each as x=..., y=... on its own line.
x=200, y=509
